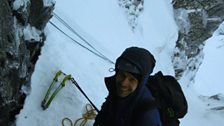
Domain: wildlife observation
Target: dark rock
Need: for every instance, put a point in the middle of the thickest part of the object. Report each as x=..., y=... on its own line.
x=197, y=20
x=39, y=15
x=18, y=56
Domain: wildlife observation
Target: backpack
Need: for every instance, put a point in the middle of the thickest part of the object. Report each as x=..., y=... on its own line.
x=169, y=98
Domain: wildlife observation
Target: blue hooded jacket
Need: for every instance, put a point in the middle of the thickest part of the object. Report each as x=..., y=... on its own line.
x=117, y=111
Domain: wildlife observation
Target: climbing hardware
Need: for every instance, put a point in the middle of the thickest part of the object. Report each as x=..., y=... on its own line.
x=47, y=101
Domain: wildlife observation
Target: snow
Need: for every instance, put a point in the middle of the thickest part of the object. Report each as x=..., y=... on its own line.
x=104, y=25
x=31, y=34
x=183, y=20
x=49, y=2
x=212, y=66
x=21, y=4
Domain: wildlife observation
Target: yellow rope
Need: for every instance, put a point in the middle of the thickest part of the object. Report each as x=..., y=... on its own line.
x=63, y=121
x=89, y=115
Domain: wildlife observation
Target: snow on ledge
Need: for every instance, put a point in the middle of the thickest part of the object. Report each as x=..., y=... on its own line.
x=48, y=3
x=20, y=3
x=32, y=34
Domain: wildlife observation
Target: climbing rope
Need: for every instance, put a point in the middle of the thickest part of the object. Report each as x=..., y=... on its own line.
x=94, y=50
x=66, y=119
x=73, y=31
x=89, y=115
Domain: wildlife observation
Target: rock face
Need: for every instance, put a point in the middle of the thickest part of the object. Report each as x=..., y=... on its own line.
x=19, y=51
x=133, y=9
x=197, y=20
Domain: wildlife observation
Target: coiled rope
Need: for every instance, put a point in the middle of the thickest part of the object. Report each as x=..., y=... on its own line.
x=89, y=115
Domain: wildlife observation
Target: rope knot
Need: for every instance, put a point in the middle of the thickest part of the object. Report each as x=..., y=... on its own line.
x=89, y=115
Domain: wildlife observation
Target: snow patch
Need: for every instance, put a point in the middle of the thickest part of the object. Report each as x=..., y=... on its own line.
x=32, y=34
x=182, y=20
x=132, y=10
x=48, y=3
x=17, y=4
x=214, y=103
x=26, y=89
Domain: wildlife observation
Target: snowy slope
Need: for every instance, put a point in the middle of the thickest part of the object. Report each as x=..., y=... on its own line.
x=104, y=25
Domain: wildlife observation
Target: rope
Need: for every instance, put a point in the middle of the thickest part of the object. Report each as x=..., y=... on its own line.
x=64, y=119
x=96, y=52
x=106, y=59
x=72, y=30
x=89, y=115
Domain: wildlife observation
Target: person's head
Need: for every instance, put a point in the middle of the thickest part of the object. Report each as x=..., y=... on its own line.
x=131, y=68
x=126, y=83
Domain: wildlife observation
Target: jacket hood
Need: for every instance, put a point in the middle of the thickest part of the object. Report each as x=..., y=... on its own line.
x=139, y=57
